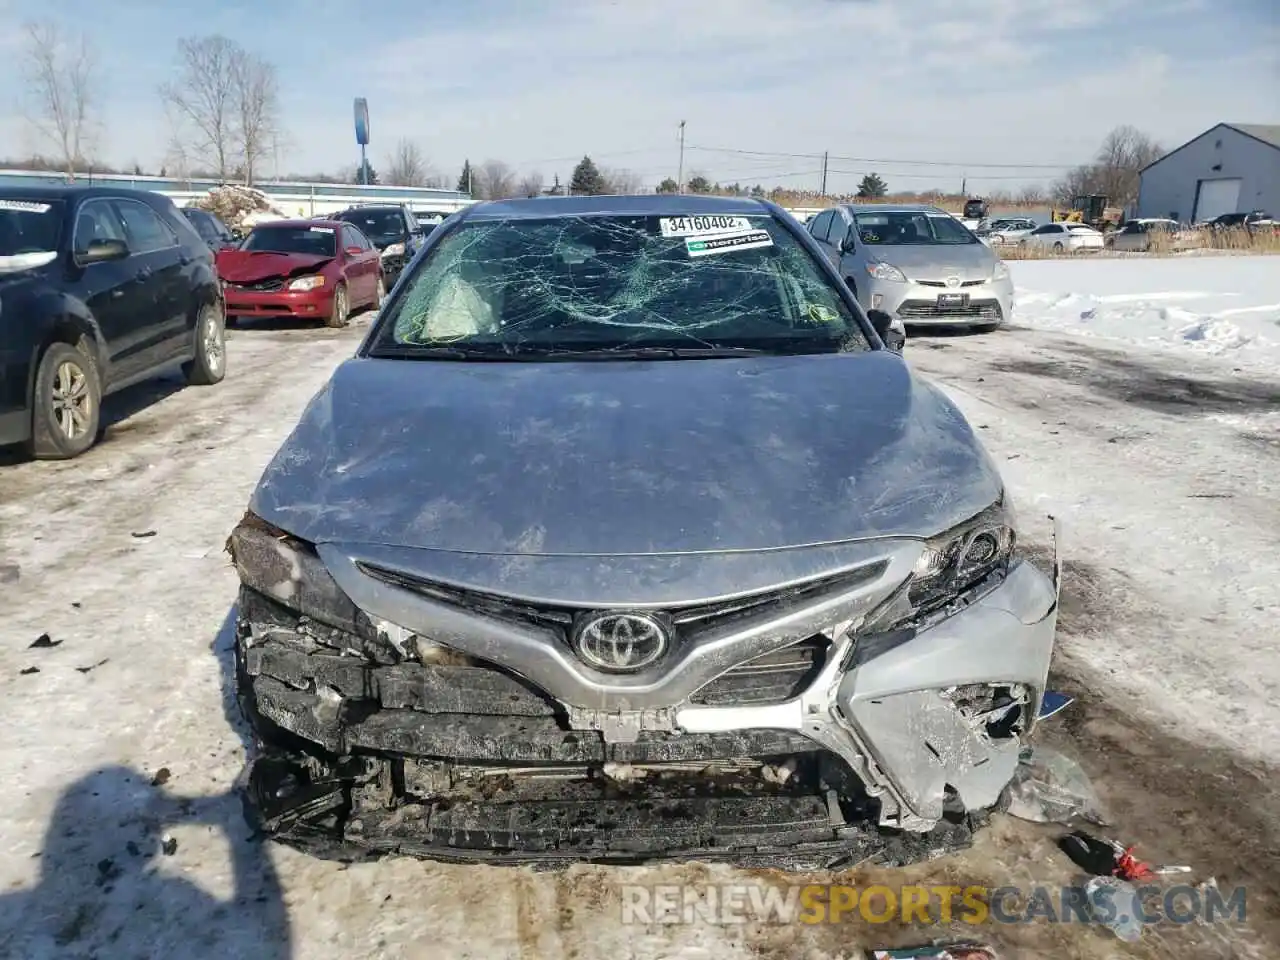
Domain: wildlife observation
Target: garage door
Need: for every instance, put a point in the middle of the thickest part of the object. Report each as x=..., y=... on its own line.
x=1215, y=197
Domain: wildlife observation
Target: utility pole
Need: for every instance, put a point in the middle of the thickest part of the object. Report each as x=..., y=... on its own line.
x=680, y=171
x=824, y=172
x=964, y=186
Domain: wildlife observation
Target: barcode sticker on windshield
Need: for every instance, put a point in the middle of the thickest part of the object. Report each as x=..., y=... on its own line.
x=25, y=206
x=726, y=242
x=697, y=226
x=320, y=229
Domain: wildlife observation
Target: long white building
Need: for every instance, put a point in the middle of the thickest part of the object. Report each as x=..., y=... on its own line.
x=294, y=198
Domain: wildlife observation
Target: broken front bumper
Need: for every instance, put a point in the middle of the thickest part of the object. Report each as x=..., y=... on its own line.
x=798, y=756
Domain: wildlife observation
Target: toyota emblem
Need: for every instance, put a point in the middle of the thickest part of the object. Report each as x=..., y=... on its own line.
x=953, y=281
x=620, y=642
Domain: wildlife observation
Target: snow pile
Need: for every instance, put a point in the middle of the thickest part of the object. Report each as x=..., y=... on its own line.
x=239, y=206
x=1228, y=306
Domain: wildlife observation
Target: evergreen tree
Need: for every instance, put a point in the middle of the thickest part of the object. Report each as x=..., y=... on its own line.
x=464, y=181
x=699, y=185
x=668, y=186
x=872, y=187
x=366, y=174
x=587, y=180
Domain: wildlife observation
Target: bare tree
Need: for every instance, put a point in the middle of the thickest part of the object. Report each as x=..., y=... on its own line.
x=406, y=167
x=1115, y=170
x=494, y=180
x=202, y=99
x=61, y=77
x=256, y=105
x=1032, y=193
x=530, y=185
x=1123, y=154
x=623, y=181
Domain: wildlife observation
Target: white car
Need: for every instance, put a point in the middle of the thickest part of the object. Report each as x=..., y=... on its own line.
x=1009, y=230
x=1064, y=238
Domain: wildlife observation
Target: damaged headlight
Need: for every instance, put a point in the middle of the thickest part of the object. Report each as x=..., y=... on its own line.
x=313, y=282
x=286, y=569
x=963, y=557
x=393, y=250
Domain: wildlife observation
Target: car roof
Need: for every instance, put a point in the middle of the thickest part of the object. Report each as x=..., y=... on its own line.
x=298, y=223
x=360, y=207
x=658, y=204
x=55, y=191
x=861, y=208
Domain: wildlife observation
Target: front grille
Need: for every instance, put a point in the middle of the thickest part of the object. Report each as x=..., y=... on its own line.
x=688, y=619
x=772, y=678
x=928, y=309
x=270, y=285
x=940, y=283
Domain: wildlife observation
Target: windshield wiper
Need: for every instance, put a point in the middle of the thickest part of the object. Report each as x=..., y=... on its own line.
x=653, y=353
x=452, y=352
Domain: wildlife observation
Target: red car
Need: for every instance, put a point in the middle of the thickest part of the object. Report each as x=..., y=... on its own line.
x=302, y=268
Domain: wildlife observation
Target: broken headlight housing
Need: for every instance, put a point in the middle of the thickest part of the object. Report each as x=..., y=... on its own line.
x=958, y=560
x=280, y=566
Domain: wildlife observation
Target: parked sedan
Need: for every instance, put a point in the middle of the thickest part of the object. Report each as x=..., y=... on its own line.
x=1142, y=234
x=1008, y=231
x=308, y=269
x=918, y=263
x=99, y=289
x=211, y=229
x=1064, y=238
x=627, y=535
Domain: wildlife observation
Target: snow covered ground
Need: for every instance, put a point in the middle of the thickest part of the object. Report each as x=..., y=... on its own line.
x=121, y=833
x=1227, y=306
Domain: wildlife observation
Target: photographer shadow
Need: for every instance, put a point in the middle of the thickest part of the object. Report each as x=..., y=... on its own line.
x=111, y=880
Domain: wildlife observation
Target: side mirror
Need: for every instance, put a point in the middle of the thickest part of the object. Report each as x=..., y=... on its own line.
x=847, y=244
x=101, y=251
x=889, y=329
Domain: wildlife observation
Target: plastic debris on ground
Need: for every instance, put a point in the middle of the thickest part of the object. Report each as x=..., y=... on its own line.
x=1103, y=858
x=950, y=951
x=1048, y=787
x=1113, y=903
x=1052, y=703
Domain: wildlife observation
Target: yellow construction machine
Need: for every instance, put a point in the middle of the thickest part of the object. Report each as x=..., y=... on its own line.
x=1091, y=209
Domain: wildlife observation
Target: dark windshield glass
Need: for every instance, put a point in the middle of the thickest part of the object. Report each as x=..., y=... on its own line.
x=600, y=283
x=314, y=240
x=29, y=226
x=907, y=227
x=377, y=224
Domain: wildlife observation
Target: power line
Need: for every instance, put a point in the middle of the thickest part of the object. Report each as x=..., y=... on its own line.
x=879, y=160
x=890, y=174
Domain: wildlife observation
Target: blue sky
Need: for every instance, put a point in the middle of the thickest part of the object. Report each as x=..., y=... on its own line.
x=899, y=86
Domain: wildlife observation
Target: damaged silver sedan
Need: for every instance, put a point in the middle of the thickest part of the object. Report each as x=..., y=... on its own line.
x=623, y=537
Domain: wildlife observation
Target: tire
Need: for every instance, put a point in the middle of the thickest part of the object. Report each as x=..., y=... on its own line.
x=209, y=365
x=341, y=311
x=66, y=405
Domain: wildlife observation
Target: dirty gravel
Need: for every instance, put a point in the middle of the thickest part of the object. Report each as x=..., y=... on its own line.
x=121, y=835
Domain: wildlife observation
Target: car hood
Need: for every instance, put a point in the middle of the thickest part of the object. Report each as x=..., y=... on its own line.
x=626, y=458
x=938, y=261
x=250, y=266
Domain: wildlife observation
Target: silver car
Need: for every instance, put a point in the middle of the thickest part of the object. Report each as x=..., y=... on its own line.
x=917, y=263
x=627, y=535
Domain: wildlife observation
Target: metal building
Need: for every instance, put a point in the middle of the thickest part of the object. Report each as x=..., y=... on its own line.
x=1230, y=168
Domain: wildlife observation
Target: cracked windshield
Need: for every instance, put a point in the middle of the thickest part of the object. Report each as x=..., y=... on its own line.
x=608, y=283
x=640, y=480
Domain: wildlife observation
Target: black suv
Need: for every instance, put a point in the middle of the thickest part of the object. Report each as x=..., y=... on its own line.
x=394, y=230
x=99, y=289
x=211, y=229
